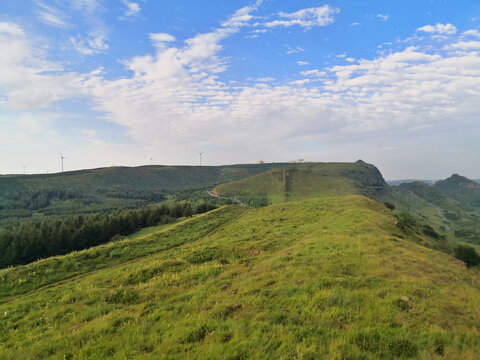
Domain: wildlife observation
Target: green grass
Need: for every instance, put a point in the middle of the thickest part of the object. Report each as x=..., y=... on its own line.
x=304, y=181
x=314, y=279
x=21, y=279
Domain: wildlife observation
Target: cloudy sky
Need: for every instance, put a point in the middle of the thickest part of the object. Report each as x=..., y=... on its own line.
x=124, y=82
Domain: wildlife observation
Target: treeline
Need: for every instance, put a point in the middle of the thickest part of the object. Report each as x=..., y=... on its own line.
x=38, y=199
x=147, y=195
x=251, y=199
x=33, y=240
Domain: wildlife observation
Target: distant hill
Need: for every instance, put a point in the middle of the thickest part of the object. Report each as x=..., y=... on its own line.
x=302, y=181
x=169, y=178
x=451, y=206
x=461, y=188
x=407, y=181
x=430, y=194
x=110, y=188
x=330, y=278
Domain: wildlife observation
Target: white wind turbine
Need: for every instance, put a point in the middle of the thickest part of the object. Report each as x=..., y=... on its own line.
x=62, y=157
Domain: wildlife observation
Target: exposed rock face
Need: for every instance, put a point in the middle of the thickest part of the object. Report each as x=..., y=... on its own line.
x=368, y=178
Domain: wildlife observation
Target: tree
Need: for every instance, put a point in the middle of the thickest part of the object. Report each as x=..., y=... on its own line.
x=468, y=255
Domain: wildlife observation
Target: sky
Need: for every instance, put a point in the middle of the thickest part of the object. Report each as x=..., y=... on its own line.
x=139, y=82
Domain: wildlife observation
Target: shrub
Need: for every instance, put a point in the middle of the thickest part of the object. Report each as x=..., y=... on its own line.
x=467, y=254
x=405, y=220
x=389, y=205
x=428, y=230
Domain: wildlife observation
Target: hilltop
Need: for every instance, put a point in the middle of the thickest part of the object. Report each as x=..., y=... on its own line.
x=332, y=277
x=303, y=181
x=462, y=189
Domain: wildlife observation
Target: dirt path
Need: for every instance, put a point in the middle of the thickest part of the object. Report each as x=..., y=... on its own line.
x=214, y=194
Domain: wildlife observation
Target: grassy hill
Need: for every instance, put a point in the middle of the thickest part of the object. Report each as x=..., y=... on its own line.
x=430, y=194
x=171, y=178
x=303, y=181
x=324, y=278
x=105, y=189
x=449, y=206
x=462, y=189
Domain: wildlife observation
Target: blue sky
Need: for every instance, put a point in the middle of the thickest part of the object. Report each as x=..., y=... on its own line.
x=120, y=82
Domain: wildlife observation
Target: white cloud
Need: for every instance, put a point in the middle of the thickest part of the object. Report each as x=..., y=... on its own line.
x=88, y=5
x=383, y=17
x=300, y=82
x=27, y=79
x=307, y=18
x=175, y=100
x=161, y=37
x=302, y=63
x=474, y=33
x=51, y=16
x=93, y=44
x=51, y=19
x=442, y=29
x=132, y=11
x=294, y=50
x=463, y=45
x=11, y=29
x=265, y=79
x=314, y=73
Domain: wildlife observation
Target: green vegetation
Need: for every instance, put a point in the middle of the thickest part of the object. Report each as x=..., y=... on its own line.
x=304, y=181
x=48, y=271
x=449, y=216
x=468, y=255
x=33, y=240
x=322, y=273
x=326, y=278
x=107, y=189
x=462, y=189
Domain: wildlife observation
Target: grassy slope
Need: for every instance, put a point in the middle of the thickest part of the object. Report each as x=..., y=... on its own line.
x=302, y=181
x=21, y=279
x=298, y=280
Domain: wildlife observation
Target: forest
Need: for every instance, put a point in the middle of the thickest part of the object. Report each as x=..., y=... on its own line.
x=36, y=239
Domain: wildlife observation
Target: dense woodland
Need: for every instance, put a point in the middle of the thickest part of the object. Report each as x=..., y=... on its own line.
x=32, y=240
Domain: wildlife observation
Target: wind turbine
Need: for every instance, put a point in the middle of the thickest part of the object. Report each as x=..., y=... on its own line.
x=201, y=158
x=23, y=169
x=62, y=157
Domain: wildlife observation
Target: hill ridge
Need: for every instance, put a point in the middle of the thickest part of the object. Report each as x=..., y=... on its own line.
x=312, y=278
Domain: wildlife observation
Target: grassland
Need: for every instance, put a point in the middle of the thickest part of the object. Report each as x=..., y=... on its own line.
x=22, y=279
x=304, y=181
x=313, y=279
